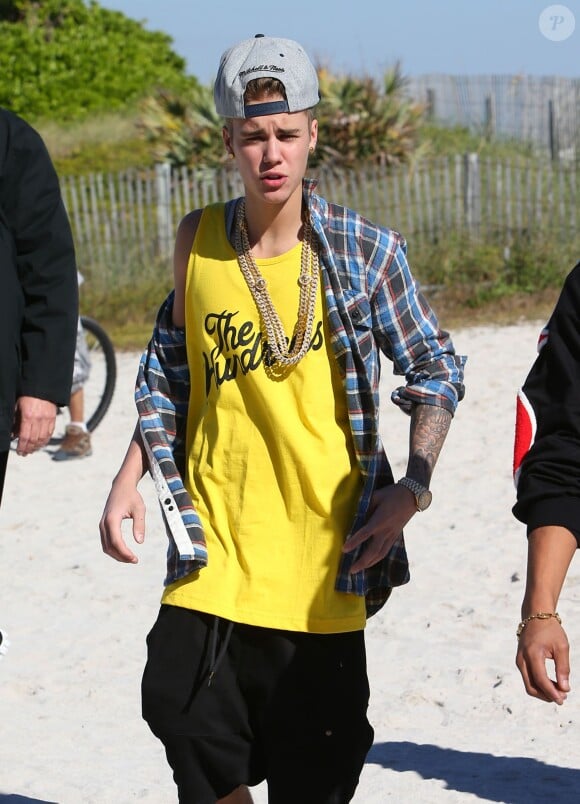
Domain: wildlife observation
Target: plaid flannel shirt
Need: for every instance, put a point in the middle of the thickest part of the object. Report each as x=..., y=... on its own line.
x=374, y=305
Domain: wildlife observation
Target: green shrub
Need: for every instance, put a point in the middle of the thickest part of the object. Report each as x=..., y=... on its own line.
x=65, y=59
x=478, y=272
x=183, y=129
x=362, y=120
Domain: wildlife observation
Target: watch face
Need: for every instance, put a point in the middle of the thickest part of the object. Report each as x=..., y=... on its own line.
x=424, y=500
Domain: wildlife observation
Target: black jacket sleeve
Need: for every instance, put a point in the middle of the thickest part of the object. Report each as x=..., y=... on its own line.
x=547, y=448
x=34, y=214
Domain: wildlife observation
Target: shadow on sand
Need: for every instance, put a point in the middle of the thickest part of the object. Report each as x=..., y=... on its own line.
x=510, y=780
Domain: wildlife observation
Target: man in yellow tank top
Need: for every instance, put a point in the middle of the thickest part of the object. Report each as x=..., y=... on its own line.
x=256, y=664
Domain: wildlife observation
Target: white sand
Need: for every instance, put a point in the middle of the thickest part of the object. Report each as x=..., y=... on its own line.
x=452, y=721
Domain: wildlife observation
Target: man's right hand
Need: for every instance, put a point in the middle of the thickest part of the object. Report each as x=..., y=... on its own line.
x=123, y=502
x=540, y=641
x=550, y=551
x=34, y=421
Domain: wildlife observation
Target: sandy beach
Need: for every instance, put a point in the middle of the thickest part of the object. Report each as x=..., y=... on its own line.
x=452, y=721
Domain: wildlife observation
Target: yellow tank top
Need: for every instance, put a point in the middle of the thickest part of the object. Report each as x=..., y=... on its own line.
x=271, y=466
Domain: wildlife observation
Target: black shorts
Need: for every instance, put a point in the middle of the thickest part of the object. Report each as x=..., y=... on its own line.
x=283, y=706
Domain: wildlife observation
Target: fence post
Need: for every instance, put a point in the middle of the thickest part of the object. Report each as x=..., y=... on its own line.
x=489, y=122
x=163, y=198
x=471, y=193
x=430, y=104
x=552, y=131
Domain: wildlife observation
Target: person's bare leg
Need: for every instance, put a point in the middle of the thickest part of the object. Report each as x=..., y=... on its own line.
x=77, y=406
x=240, y=796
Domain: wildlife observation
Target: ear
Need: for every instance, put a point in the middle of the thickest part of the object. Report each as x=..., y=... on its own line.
x=313, y=134
x=227, y=138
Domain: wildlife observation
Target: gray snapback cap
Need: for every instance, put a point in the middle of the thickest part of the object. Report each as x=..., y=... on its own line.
x=265, y=56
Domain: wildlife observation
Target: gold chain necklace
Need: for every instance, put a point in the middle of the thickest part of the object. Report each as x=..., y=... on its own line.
x=284, y=352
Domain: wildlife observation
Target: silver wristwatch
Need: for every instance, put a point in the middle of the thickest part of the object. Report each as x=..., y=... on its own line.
x=422, y=494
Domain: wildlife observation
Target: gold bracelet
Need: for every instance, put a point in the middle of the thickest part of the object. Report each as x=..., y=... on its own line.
x=541, y=615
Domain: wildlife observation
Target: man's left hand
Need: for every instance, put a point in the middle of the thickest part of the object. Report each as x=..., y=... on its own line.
x=390, y=509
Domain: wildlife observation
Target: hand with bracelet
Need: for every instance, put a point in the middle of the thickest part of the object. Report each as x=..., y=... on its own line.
x=540, y=634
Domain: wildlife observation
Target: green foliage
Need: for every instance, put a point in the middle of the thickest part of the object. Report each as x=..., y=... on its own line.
x=477, y=272
x=185, y=129
x=361, y=120
x=65, y=59
x=438, y=140
x=457, y=259
x=109, y=142
x=126, y=304
x=102, y=158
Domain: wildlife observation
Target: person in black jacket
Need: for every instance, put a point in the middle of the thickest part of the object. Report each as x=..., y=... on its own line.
x=39, y=298
x=547, y=477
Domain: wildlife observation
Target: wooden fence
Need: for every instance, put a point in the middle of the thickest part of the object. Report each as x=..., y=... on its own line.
x=542, y=110
x=125, y=223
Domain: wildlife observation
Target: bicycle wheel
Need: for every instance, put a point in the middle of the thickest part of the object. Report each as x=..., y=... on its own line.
x=99, y=388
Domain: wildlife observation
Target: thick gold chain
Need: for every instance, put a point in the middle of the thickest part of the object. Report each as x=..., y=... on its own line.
x=284, y=351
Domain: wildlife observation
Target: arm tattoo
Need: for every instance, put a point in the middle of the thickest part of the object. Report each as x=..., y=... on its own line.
x=429, y=427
